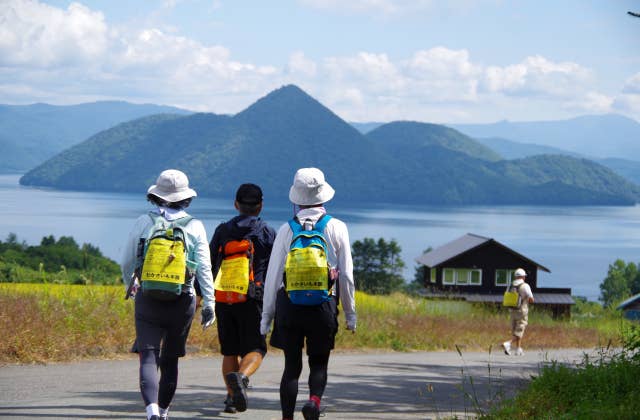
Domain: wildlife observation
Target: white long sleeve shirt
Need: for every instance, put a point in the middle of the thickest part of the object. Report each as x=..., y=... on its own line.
x=338, y=256
x=197, y=244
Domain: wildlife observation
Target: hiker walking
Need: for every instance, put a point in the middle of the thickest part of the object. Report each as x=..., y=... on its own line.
x=519, y=315
x=314, y=254
x=240, y=250
x=166, y=252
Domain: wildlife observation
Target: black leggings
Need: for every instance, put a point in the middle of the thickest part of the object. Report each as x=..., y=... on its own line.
x=154, y=391
x=292, y=369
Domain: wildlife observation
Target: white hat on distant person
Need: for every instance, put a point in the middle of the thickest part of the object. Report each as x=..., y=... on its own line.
x=310, y=188
x=520, y=273
x=172, y=186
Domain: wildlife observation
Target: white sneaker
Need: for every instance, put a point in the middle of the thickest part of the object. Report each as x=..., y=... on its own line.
x=519, y=351
x=507, y=348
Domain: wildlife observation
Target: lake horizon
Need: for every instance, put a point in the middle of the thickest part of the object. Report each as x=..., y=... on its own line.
x=577, y=243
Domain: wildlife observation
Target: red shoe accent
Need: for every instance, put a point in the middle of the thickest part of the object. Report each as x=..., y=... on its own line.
x=316, y=400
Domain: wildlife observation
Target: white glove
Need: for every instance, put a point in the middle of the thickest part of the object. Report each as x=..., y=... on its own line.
x=265, y=325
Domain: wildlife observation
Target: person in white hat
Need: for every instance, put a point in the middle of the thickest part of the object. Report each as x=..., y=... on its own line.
x=294, y=323
x=519, y=315
x=162, y=326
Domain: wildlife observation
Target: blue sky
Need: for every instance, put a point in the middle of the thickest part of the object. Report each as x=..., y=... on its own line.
x=458, y=61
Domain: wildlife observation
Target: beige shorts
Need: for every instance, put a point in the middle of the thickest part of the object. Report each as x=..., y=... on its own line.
x=519, y=321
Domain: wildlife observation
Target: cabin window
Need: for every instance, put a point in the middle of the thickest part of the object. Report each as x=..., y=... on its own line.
x=504, y=277
x=433, y=275
x=448, y=276
x=462, y=276
x=476, y=277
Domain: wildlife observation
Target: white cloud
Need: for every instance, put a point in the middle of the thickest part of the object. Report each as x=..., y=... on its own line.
x=590, y=103
x=632, y=85
x=442, y=74
x=299, y=65
x=73, y=55
x=537, y=75
x=36, y=35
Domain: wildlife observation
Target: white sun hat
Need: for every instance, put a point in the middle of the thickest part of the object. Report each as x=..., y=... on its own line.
x=172, y=186
x=310, y=188
x=520, y=273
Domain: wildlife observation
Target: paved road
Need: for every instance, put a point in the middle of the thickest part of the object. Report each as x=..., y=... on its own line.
x=361, y=386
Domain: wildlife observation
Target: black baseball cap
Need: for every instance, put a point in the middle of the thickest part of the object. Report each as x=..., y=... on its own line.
x=249, y=194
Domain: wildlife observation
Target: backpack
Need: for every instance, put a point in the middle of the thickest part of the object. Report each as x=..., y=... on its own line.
x=234, y=280
x=165, y=266
x=511, y=298
x=307, y=274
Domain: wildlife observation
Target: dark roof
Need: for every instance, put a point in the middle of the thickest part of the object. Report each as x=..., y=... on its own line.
x=633, y=299
x=465, y=243
x=540, y=298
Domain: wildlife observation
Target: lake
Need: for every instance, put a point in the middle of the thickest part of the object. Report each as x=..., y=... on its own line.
x=576, y=243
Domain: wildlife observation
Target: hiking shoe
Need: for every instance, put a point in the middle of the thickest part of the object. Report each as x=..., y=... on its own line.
x=238, y=384
x=507, y=348
x=228, y=405
x=310, y=411
x=519, y=351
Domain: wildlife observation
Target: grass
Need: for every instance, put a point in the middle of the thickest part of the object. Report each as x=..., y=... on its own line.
x=44, y=322
x=605, y=388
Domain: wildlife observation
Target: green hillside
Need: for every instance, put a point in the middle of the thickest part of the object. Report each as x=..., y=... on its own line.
x=403, y=138
x=31, y=134
x=401, y=162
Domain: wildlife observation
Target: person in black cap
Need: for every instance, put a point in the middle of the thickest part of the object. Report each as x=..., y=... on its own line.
x=240, y=250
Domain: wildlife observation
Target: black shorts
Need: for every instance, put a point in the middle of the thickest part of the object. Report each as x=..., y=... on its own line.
x=239, y=328
x=294, y=323
x=164, y=325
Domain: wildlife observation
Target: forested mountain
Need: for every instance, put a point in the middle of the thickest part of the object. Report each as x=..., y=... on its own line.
x=30, y=134
x=510, y=149
x=401, y=162
x=601, y=136
x=629, y=169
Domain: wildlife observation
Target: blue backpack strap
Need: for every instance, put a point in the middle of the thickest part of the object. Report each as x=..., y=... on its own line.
x=322, y=223
x=295, y=226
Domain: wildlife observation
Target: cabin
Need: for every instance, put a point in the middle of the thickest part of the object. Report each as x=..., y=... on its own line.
x=478, y=269
x=631, y=308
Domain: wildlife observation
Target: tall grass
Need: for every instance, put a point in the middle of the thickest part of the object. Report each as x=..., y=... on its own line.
x=604, y=388
x=45, y=322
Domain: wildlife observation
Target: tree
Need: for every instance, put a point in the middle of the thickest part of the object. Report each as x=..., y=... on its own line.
x=377, y=266
x=622, y=281
x=418, y=282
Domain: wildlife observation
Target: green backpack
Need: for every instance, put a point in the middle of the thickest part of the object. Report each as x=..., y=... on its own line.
x=165, y=265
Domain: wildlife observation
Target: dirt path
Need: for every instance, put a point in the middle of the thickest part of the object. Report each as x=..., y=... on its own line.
x=421, y=385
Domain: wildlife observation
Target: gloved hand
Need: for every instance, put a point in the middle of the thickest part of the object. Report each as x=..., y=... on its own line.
x=208, y=316
x=265, y=325
x=351, y=322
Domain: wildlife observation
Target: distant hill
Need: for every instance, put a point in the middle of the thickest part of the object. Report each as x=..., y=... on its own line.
x=404, y=138
x=601, y=136
x=400, y=162
x=629, y=169
x=30, y=134
x=510, y=149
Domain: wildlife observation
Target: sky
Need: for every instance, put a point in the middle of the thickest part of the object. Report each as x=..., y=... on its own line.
x=456, y=61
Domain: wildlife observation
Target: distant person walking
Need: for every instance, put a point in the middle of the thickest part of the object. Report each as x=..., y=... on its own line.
x=166, y=252
x=240, y=250
x=519, y=315
x=319, y=272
